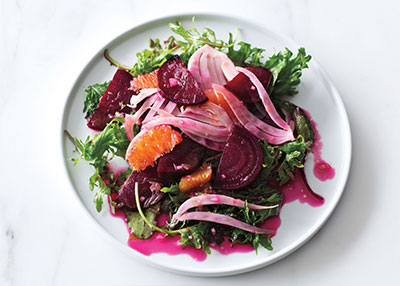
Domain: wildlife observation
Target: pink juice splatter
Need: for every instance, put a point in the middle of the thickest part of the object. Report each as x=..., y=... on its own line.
x=322, y=170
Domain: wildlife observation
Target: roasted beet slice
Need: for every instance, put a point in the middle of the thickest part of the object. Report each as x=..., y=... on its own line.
x=240, y=162
x=184, y=159
x=115, y=99
x=148, y=189
x=242, y=87
x=177, y=84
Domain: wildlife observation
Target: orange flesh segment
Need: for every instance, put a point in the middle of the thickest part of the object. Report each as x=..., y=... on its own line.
x=148, y=80
x=199, y=178
x=217, y=98
x=144, y=150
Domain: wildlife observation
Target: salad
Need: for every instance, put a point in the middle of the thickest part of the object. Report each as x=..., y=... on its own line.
x=212, y=145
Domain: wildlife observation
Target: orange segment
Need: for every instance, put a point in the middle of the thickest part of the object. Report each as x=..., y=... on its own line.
x=218, y=99
x=147, y=147
x=148, y=80
x=199, y=178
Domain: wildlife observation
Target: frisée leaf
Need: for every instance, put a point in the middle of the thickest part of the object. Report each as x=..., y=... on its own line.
x=93, y=95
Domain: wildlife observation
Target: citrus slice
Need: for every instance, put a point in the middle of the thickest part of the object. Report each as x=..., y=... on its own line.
x=199, y=178
x=151, y=144
x=148, y=80
x=214, y=96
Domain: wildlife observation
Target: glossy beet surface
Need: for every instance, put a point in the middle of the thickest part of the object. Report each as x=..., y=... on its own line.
x=184, y=159
x=177, y=84
x=148, y=191
x=240, y=162
x=115, y=99
x=242, y=87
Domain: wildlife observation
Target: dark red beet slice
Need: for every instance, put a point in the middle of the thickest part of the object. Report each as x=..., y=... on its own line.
x=184, y=159
x=242, y=87
x=147, y=194
x=178, y=84
x=115, y=99
x=240, y=162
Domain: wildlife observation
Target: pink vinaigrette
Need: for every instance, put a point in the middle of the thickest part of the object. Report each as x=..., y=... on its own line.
x=297, y=189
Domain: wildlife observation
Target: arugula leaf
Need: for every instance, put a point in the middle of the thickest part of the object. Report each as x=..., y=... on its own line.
x=194, y=39
x=148, y=59
x=302, y=123
x=287, y=71
x=198, y=236
x=112, y=141
x=173, y=189
x=138, y=226
x=280, y=161
x=245, y=55
x=173, y=199
x=93, y=95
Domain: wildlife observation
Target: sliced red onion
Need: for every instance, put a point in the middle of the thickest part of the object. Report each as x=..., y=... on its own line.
x=142, y=95
x=215, y=199
x=269, y=106
x=224, y=219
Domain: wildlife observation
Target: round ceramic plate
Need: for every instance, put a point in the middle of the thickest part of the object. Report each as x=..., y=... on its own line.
x=316, y=94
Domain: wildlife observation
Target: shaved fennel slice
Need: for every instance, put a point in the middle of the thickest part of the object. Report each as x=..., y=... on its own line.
x=142, y=95
x=269, y=106
x=254, y=125
x=215, y=199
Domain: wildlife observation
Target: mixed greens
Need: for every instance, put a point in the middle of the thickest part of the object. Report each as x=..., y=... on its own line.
x=207, y=132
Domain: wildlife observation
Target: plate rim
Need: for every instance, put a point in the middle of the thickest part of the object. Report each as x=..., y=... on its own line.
x=300, y=241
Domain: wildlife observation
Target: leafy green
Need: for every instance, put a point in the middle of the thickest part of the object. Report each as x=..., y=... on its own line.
x=280, y=161
x=194, y=39
x=112, y=141
x=173, y=199
x=198, y=236
x=303, y=125
x=245, y=55
x=138, y=226
x=104, y=146
x=287, y=71
x=148, y=59
x=93, y=95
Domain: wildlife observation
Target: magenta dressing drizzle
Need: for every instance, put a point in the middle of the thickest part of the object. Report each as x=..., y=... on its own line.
x=296, y=189
x=322, y=170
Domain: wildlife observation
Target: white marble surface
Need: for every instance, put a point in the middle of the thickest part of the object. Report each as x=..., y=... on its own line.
x=45, y=240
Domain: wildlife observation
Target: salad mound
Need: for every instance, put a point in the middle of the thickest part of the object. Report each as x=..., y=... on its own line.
x=209, y=138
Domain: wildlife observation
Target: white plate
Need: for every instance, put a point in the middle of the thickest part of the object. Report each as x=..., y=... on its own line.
x=317, y=95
